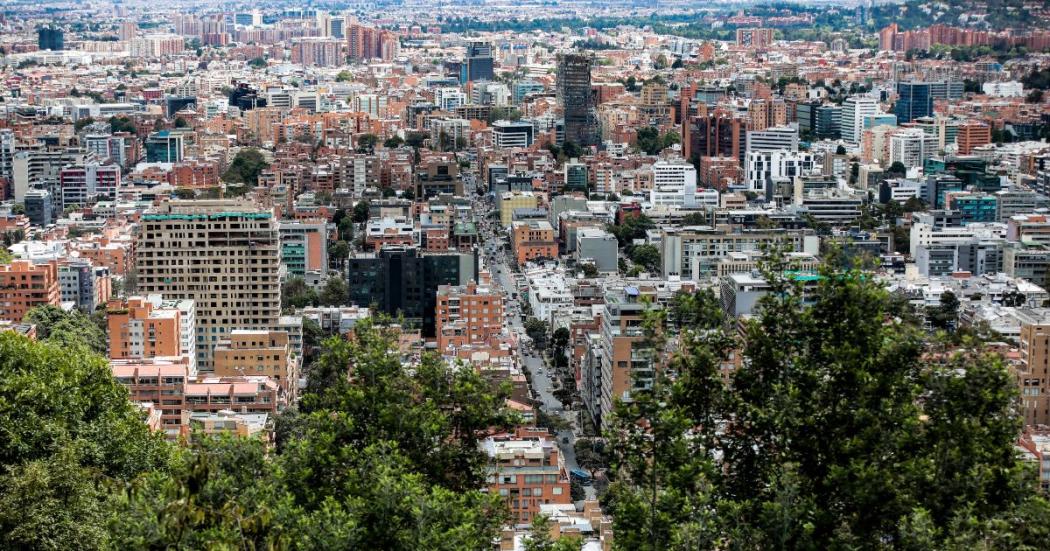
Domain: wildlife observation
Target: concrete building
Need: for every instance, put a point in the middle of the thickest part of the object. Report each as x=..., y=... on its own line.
x=84, y=284
x=24, y=285
x=854, y=110
x=575, y=98
x=674, y=184
x=511, y=200
x=1033, y=373
x=304, y=245
x=223, y=255
x=599, y=247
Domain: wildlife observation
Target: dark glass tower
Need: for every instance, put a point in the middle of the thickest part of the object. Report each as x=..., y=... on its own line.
x=574, y=95
x=479, y=61
x=914, y=100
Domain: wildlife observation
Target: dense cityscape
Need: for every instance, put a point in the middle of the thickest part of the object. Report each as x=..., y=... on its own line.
x=524, y=276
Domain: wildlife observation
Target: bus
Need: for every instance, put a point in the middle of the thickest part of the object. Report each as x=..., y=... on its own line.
x=579, y=474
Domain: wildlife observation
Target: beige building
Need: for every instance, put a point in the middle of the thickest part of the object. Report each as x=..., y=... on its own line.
x=511, y=200
x=1033, y=371
x=223, y=255
x=259, y=353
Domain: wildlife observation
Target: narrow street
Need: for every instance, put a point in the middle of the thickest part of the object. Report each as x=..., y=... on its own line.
x=539, y=372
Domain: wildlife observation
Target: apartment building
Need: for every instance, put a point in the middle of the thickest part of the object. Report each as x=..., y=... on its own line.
x=160, y=382
x=223, y=255
x=467, y=314
x=526, y=470
x=532, y=240
x=260, y=353
x=142, y=327
x=511, y=200
x=695, y=252
x=24, y=285
x=86, y=184
x=625, y=360
x=1033, y=371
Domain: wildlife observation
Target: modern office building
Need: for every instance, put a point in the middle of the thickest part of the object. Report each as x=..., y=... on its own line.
x=674, y=184
x=223, y=255
x=165, y=147
x=304, y=246
x=50, y=38
x=88, y=183
x=854, y=110
x=914, y=100
x=478, y=65
x=507, y=134
x=576, y=98
x=403, y=281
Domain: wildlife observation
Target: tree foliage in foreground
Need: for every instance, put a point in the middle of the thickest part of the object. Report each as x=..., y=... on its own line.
x=378, y=458
x=840, y=430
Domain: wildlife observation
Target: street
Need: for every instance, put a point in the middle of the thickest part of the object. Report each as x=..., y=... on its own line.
x=532, y=361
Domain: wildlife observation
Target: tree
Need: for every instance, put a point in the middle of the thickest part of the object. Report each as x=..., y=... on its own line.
x=539, y=538
x=257, y=63
x=70, y=435
x=843, y=433
x=537, y=331
x=246, y=167
x=82, y=123
x=71, y=328
x=335, y=292
x=647, y=256
x=340, y=252
x=945, y=315
x=632, y=227
x=571, y=150
x=181, y=122
x=590, y=271
x=560, y=338
x=393, y=142
x=897, y=168
x=296, y=294
x=360, y=214
x=366, y=143
x=344, y=76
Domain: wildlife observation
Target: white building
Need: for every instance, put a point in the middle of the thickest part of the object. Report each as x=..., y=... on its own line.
x=773, y=139
x=776, y=166
x=912, y=147
x=1011, y=89
x=854, y=111
x=674, y=184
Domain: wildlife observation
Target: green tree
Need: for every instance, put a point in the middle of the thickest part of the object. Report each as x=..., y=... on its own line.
x=296, y=294
x=945, y=315
x=647, y=256
x=246, y=167
x=844, y=433
x=69, y=435
x=366, y=143
x=393, y=142
x=360, y=213
x=897, y=168
x=335, y=292
x=257, y=63
x=539, y=538
x=67, y=328
x=537, y=331
x=339, y=253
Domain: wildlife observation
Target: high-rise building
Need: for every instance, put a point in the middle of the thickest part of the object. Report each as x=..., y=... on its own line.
x=165, y=147
x=404, y=281
x=754, y=38
x=86, y=184
x=142, y=327
x=223, y=255
x=912, y=146
x=317, y=51
x=575, y=98
x=479, y=62
x=50, y=38
x=854, y=111
x=674, y=184
x=972, y=134
x=914, y=100
x=1033, y=373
